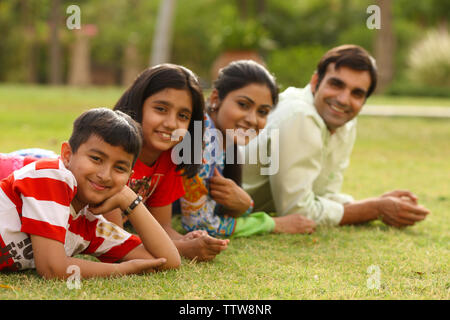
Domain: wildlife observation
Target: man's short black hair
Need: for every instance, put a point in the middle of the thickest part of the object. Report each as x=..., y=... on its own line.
x=114, y=127
x=351, y=56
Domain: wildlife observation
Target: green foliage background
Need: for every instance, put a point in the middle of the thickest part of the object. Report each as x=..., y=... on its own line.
x=290, y=35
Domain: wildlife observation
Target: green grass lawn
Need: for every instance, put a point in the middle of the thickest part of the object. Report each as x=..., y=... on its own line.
x=333, y=263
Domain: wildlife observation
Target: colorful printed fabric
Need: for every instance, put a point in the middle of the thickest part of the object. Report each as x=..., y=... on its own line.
x=199, y=210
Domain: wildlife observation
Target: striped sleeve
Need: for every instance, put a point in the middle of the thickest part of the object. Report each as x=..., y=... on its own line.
x=47, y=189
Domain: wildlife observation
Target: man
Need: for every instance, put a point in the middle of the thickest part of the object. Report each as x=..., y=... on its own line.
x=317, y=131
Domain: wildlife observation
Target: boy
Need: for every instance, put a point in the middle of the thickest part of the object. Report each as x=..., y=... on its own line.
x=48, y=208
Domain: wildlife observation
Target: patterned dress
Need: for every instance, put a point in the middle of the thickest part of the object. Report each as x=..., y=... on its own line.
x=199, y=210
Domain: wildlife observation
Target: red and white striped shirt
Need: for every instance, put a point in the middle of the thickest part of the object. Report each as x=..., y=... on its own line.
x=36, y=200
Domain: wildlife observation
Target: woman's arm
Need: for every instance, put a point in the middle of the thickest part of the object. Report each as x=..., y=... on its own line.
x=227, y=193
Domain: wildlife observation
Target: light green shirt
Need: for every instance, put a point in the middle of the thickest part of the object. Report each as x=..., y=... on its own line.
x=307, y=175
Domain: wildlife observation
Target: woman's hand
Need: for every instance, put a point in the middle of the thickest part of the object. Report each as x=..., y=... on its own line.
x=227, y=193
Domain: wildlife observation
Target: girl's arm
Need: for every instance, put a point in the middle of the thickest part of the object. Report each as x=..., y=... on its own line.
x=51, y=262
x=194, y=245
x=164, y=216
x=154, y=238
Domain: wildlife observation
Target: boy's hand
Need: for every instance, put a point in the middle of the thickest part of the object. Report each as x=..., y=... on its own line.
x=121, y=200
x=227, y=193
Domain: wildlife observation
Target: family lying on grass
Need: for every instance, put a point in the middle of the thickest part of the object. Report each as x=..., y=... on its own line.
x=121, y=167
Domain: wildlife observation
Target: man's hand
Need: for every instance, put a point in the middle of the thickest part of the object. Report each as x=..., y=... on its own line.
x=402, y=194
x=400, y=209
x=227, y=193
x=201, y=246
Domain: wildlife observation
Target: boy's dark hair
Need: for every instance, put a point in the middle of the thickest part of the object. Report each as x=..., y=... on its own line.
x=351, y=56
x=241, y=73
x=114, y=127
x=156, y=79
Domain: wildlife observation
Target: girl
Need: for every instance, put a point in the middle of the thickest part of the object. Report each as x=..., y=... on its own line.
x=242, y=98
x=165, y=99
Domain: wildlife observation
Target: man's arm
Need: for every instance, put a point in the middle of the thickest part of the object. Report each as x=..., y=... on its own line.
x=398, y=208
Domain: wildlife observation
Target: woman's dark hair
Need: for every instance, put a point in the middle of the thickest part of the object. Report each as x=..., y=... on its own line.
x=114, y=127
x=241, y=73
x=156, y=79
x=351, y=56
x=235, y=76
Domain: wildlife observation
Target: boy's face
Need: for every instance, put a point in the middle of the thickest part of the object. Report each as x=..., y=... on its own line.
x=101, y=170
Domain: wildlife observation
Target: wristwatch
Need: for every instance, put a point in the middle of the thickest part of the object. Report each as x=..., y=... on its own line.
x=133, y=205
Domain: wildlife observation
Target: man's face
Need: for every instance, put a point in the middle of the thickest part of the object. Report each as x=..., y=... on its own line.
x=340, y=95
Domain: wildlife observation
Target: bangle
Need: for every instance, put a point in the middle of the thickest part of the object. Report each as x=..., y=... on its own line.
x=133, y=205
x=250, y=209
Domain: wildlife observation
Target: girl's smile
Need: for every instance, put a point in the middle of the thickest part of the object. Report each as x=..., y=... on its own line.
x=162, y=114
x=243, y=112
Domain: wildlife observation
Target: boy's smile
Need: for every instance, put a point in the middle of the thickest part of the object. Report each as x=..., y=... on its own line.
x=101, y=170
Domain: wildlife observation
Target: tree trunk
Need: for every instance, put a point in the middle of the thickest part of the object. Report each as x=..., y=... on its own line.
x=385, y=46
x=162, y=39
x=30, y=56
x=242, y=8
x=131, y=64
x=55, y=46
x=80, y=64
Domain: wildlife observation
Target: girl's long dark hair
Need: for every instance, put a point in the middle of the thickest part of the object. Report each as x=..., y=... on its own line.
x=155, y=79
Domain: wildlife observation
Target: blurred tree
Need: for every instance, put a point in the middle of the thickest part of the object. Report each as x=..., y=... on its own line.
x=55, y=45
x=27, y=15
x=162, y=40
x=385, y=46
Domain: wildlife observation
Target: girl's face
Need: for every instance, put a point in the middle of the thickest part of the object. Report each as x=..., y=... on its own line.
x=162, y=114
x=243, y=112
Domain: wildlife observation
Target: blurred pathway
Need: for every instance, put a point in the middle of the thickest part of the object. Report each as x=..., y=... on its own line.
x=404, y=111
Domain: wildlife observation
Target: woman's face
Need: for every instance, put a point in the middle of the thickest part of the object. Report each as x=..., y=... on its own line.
x=163, y=113
x=243, y=112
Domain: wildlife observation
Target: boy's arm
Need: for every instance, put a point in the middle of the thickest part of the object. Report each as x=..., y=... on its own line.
x=51, y=262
